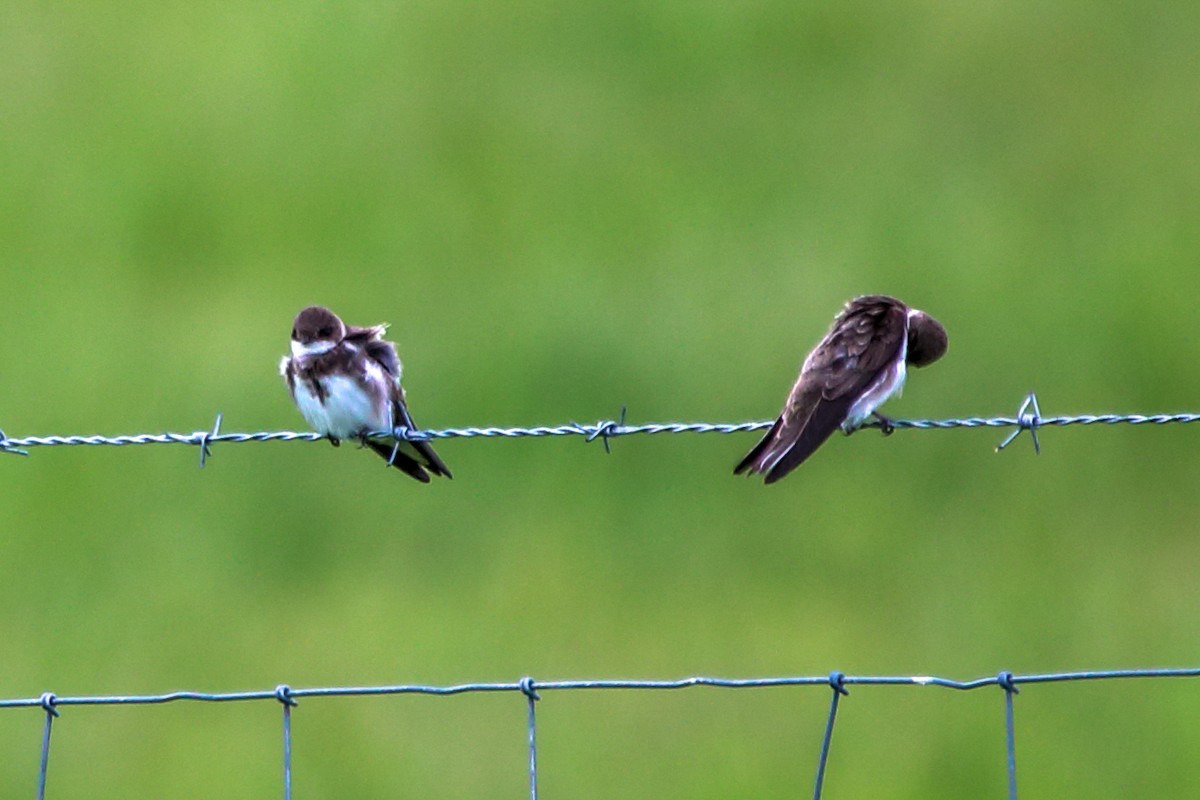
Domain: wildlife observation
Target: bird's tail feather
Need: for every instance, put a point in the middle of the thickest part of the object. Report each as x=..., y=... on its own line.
x=411, y=458
x=791, y=440
x=754, y=457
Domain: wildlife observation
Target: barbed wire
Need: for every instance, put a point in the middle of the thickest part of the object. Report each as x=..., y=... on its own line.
x=532, y=690
x=1028, y=418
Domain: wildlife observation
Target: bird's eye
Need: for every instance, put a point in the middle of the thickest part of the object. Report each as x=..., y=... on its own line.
x=325, y=332
x=294, y=334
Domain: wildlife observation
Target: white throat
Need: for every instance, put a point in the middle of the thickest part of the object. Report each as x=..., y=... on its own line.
x=299, y=349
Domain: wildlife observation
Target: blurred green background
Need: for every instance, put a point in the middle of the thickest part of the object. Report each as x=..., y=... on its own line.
x=562, y=209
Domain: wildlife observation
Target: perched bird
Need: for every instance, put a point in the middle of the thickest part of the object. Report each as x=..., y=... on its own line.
x=346, y=382
x=859, y=364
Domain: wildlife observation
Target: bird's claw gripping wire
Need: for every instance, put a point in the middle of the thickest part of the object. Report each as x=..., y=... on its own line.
x=886, y=426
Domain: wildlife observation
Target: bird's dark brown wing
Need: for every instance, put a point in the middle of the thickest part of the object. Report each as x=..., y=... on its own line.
x=412, y=458
x=804, y=425
x=864, y=339
x=359, y=335
x=376, y=347
x=421, y=453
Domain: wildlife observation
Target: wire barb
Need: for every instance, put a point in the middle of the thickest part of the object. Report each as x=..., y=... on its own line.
x=403, y=433
x=605, y=429
x=205, y=438
x=5, y=447
x=1027, y=420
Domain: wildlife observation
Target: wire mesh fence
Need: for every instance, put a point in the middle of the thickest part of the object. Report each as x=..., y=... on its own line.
x=532, y=693
x=1028, y=418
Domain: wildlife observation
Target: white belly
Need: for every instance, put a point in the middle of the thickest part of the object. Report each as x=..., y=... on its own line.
x=889, y=383
x=347, y=410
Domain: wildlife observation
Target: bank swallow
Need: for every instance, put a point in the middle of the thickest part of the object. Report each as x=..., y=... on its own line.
x=346, y=382
x=859, y=364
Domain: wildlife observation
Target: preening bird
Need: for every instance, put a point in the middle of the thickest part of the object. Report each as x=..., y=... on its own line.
x=860, y=363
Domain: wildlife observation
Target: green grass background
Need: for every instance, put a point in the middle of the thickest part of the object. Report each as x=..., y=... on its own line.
x=563, y=209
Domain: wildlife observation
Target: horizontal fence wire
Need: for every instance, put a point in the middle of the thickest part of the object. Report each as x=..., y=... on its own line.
x=1028, y=418
x=532, y=690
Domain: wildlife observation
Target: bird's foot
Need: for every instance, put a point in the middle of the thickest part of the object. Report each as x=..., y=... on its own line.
x=886, y=426
x=336, y=442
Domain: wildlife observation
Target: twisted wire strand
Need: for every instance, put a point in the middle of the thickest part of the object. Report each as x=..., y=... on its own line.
x=1028, y=418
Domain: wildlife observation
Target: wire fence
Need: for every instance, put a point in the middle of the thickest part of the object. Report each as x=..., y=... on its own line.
x=1028, y=418
x=532, y=691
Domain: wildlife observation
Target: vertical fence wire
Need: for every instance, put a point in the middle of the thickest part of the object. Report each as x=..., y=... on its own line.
x=532, y=696
x=837, y=682
x=1006, y=682
x=47, y=702
x=283, y=693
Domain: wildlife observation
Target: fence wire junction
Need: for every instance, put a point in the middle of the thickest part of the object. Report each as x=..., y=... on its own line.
x=1028, y=418
x=838, y=682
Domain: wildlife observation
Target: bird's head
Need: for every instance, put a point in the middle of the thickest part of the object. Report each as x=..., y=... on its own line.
x=927, y=340
x=316, y=330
